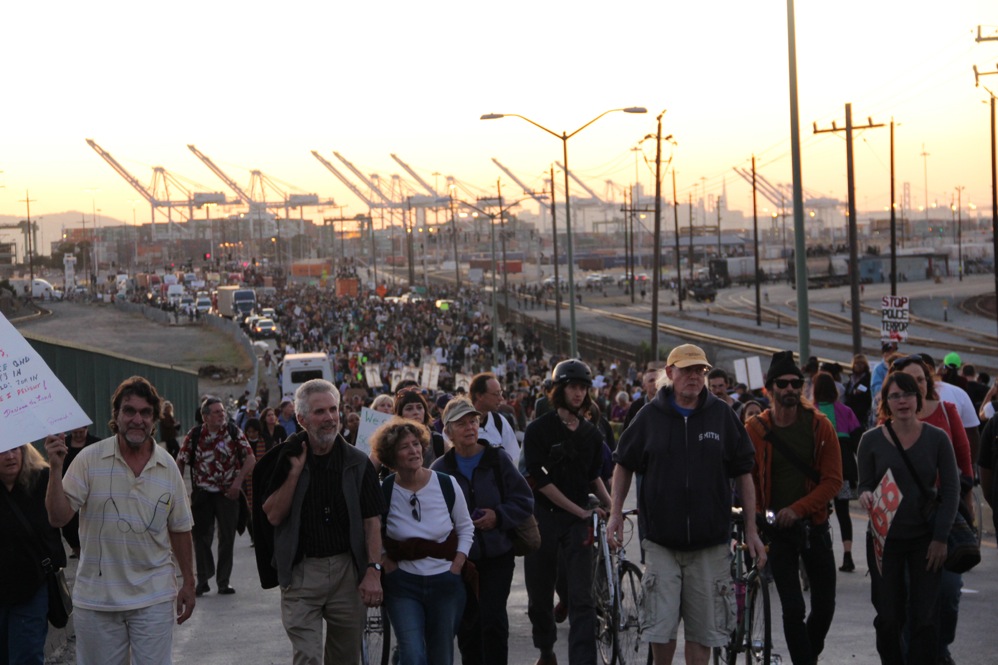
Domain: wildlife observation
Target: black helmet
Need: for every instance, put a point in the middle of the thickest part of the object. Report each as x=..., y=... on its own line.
x=571, y=370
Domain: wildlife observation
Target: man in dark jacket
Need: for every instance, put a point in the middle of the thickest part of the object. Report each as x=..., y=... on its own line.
x=688, y=445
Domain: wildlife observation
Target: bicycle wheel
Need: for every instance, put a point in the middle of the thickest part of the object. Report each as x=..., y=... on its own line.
x=604, y=599
x=759, y=640
x=631, y=650
x=377, y=645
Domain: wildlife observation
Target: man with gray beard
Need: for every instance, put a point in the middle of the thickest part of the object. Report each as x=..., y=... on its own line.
x=325, y=504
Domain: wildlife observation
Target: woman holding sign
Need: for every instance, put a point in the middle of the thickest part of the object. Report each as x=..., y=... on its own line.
x=906, y=541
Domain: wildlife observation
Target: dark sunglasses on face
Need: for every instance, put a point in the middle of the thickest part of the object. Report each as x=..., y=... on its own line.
x=901, y=363
x=782, y=384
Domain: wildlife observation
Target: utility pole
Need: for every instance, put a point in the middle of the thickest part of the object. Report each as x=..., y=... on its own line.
x=691, y=237
x=657, y=255
x=857, y=340
x=755, y=234
x=894, y=226
x=31, y=240
x=554, y=262
x=675, y=226
x=925, y=179
x=994, y=153
x=453, y=229
x=959, y=231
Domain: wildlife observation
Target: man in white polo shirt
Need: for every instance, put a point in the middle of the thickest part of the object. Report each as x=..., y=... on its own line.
x=487, y=395
x=134, y=514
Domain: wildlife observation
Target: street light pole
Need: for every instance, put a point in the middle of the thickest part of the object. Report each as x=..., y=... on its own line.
x=959, y=231
x=564, y=136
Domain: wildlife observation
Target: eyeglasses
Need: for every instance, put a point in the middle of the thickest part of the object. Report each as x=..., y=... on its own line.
x=416, y=509
x=782, y=384
x=131, y=412
x=696, y=370
x=499, y=394
x=897, y=397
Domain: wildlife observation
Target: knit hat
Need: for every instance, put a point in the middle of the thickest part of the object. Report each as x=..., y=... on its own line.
x=782, y=363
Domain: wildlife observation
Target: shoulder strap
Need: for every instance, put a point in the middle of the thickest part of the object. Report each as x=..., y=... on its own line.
x=497, y=472
x=497, y=419
x=447, y=488
x=904, y=458
x=780, y=446
x=387, y=486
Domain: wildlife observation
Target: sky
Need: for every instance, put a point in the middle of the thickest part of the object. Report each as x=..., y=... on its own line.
x=258, y=85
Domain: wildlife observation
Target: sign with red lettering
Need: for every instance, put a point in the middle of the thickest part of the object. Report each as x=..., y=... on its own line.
x=33, y=403
x=886, y=499
x=895, y=312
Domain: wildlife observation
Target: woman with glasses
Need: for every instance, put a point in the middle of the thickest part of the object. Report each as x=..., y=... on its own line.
x=500, y=500
x=945, y=416
x=427, y=537
x=906, y=575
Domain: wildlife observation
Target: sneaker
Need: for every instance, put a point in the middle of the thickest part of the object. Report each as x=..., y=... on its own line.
x=547, y=660
x=202, y=589
x=226, y=591
x=847, y=565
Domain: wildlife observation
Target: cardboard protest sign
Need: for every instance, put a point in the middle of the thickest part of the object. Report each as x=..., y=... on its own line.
x=886, y=499
x=33, y=402
x=895, y=317
x=370, y=420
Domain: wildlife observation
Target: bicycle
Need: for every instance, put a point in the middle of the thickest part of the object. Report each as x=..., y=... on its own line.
x=616, y=590
x=752, y=634
x=376, y=647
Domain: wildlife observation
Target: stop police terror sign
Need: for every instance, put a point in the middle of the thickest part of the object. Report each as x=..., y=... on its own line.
x=895, y=318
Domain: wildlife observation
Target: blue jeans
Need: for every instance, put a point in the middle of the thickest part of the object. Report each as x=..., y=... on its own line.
x=425, y=612
x=23, y=629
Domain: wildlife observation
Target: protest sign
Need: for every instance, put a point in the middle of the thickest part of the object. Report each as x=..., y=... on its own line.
x=33, y=402
x=895, y=316
x=370, y=420
x=886, y=499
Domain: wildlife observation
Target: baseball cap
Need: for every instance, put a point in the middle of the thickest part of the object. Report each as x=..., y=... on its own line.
x=687, y=355
x=952, y=360
x=458, y=408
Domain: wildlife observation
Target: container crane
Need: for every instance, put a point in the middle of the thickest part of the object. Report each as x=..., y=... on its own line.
x=541, y=198
x=364, y=179
x=347, y=182
x=584, y=186
x=162, y=180
x=232, y=184
x=432, y=192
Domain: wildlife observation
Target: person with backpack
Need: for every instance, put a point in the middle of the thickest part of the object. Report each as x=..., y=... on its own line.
x=220, y=459
x=487, y=396
x=411, y=405
x=427, y=536
x=500, y=500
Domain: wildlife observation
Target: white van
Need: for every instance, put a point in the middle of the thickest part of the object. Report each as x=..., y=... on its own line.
x=298, y=368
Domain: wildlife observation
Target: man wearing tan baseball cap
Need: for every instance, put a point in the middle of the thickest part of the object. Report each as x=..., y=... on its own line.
x=690, y=445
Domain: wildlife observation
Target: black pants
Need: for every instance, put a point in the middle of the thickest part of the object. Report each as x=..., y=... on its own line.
x=805, y=637
x=565, y=534
x=207, y=508
x=484, y=634
x=904, y=593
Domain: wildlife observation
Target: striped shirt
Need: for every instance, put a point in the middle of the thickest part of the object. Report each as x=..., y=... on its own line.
x=125, y=525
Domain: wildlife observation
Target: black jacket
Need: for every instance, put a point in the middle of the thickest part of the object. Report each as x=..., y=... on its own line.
x=687, y=464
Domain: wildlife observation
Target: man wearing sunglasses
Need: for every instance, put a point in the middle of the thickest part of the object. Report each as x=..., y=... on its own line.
x=798, y=471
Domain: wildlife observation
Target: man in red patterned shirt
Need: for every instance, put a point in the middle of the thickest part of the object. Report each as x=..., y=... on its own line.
x=220, y=458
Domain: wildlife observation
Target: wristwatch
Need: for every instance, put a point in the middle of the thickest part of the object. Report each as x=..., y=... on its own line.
x=377, y=566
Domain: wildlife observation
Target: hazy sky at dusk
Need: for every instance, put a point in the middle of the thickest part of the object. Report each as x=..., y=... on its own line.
x=259, y=85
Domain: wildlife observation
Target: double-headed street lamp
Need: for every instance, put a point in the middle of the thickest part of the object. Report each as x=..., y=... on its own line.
x=564, y=136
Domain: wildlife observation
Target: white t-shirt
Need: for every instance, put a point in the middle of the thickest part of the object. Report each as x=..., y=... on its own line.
x=505, y=439
x=434, y=522
x=949, y=393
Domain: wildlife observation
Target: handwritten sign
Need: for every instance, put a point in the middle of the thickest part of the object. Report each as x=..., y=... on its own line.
x=886, y=499
x=895, y=318
x=33, y=402
x=370, y=420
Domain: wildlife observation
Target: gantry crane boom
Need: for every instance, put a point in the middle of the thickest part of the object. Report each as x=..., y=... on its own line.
x=362, y=178
x=346, y=181
x=540, y=198
x=232, y=184
x=763, y=186
x=581, y=184
x=120, y=170
x=422, y=183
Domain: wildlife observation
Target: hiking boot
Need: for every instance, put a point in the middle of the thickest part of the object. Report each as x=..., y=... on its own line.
x=847, y=565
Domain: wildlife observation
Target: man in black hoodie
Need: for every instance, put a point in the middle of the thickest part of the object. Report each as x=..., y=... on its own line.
x=688, y=445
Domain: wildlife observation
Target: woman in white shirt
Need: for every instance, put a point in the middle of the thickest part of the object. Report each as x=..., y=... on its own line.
x=427, y=537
